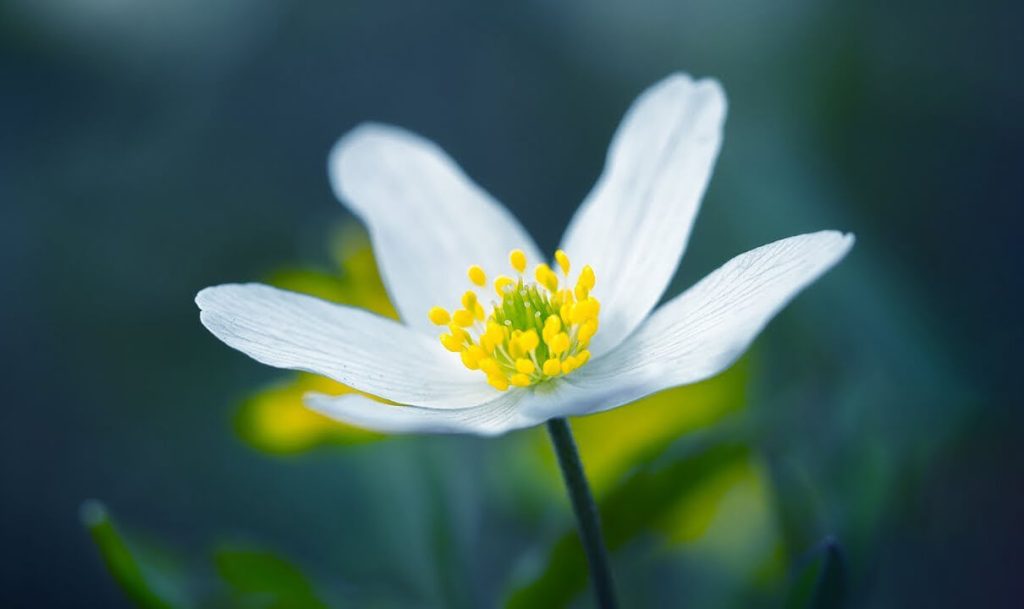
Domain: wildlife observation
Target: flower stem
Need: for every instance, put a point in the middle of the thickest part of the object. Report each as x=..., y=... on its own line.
x=586, y=511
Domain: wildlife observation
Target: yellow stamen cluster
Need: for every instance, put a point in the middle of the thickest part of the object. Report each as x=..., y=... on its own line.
x=538, y=330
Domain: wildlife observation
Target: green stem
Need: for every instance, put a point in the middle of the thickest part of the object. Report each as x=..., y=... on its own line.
x=586, y=511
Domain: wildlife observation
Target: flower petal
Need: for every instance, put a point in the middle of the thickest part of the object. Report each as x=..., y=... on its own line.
x=493, y=418
x=633, y=227
x=702, y=331
x=367, y=352
x=429, y=223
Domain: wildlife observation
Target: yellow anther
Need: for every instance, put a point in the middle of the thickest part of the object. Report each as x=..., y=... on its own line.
x=471, y=357
x=587, y=331
x=515, y=349
x=494, y=333
x=517, y=258
x=503, y=284
x=520, y=380
x=490, y=366
x=552, y=367
x=587, y=278
x=558, y=343
x=569, y=364
x=477, y=275
x=563, y=261
x=463, y=318
x=566, y=312
x=582, y=357
x=581, y=291
x=551, y=327
x=529, y=340
x=552, y=282
x=585, y=310
x=439, y=316
x=487, y=344
x=451, y=343
x=472, y=305
x=498, y=381
x=546, y=277
x=525, y=366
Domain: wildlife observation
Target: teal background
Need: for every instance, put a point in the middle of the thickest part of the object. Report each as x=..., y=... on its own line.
x=150, y=149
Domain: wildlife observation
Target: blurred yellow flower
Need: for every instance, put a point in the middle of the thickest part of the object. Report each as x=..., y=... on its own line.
x=274, y=419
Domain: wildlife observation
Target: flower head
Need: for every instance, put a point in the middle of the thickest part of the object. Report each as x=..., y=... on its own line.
x=535, y=331
x=572, y=335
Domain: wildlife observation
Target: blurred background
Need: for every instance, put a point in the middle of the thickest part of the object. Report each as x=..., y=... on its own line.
x=867, y=452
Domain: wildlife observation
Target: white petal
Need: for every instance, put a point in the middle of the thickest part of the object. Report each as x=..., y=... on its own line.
x=367, y=352
x=495, y=417
x=700, y=332
x=633, y=227
x=429, y=223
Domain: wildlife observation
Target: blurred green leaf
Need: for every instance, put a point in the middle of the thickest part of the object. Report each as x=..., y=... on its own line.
x=250, y=578
x=122, y=563
x=821, y=582
x=261, y=579
x=640, y=502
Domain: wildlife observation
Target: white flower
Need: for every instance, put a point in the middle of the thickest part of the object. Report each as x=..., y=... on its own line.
x=579, y=340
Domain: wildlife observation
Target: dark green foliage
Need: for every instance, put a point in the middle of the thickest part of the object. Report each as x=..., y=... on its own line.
x=119, y=558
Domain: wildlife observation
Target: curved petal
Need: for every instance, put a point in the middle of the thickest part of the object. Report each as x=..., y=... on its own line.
x=372, y=354
x=633, y=227
x=493, y=418
x=429, y=223
x=702, y=331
